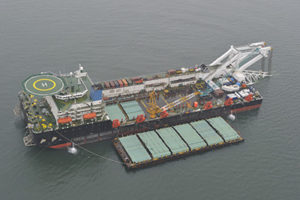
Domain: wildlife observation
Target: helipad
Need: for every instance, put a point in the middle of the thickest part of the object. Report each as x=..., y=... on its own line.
x=43, y=85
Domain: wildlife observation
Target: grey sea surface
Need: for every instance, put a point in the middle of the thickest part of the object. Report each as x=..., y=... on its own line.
x=118, y=38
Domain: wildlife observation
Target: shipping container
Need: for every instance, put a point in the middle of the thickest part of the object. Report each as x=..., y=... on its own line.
x=120, y=83
x=117, y=84
x=106, y=84
x=171, y=71
x=136, y=78
x=112, y=84
x=129, y=81
x=140, y=81
x=192, y=69
x=125, y=82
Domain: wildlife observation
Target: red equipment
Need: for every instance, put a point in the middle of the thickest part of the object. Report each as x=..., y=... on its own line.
x=116, y=123
x=195, y=104
x=164, y=114
x=249, y=97
x=208, y=105
x=228, y=102
x=140, y=118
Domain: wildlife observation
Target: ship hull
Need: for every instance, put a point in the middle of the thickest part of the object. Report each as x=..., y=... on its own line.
x=237, y=108
x=101, y=131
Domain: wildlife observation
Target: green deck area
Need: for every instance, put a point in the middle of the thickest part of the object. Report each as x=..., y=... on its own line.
x=114, y=112
x=132, y=109
x=190, y=136
x=134, y=149
x=72, y=86
x=154, y=144
x=73, y=81
x=224, y=129
x=207, y=132
x=172, y=139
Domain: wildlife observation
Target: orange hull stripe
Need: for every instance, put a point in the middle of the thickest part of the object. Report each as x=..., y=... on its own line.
x=61, y=145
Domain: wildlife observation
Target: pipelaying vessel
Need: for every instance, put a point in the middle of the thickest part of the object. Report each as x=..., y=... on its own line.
x=61, y=109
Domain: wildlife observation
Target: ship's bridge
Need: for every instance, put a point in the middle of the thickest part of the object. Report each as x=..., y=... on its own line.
x=50, y=99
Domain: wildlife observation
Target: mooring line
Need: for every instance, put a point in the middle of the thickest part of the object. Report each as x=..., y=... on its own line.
x=91, y=152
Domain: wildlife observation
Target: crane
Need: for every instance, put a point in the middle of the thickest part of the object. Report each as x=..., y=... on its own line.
x=237, y=59
x=153, y=109
x=180, y=101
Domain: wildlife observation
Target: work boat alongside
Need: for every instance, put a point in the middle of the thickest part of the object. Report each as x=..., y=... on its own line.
x=61, y=109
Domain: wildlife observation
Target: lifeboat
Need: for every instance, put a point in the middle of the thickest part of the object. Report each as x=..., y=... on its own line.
x=64, y=120
x=89, y=115
x=231, y=88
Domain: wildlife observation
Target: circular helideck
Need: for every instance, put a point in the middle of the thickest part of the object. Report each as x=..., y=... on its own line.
x=43, y=85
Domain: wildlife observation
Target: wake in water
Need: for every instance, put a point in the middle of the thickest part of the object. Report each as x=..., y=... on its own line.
x=17, y=111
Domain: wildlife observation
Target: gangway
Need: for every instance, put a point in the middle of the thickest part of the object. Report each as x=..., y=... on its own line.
x=237, y=60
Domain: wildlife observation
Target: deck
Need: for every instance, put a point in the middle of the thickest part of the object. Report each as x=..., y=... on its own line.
x=143, y=149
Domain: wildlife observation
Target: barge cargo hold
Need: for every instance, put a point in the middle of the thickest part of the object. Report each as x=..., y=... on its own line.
x=61, y=109
x=151, y=147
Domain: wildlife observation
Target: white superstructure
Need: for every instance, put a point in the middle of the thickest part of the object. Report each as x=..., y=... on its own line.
x=237, y=59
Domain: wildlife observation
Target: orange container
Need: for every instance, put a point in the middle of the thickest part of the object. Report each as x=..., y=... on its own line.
x=125, y=82
x=120, y=83
x=139, y=81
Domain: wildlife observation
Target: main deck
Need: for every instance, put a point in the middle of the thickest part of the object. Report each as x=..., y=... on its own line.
x=177, y=100
x=146, y=148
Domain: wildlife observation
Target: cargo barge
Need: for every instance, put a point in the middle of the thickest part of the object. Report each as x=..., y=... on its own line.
x=61, y=109
x=152, y=147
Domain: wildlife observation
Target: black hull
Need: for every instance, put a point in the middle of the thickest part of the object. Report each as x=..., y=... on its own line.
x=101, y=131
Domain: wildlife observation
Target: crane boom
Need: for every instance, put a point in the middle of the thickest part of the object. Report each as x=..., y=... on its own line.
x=180, y=101
x=238, y=59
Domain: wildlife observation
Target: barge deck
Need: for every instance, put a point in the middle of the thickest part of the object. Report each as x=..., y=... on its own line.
x=152, y=147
